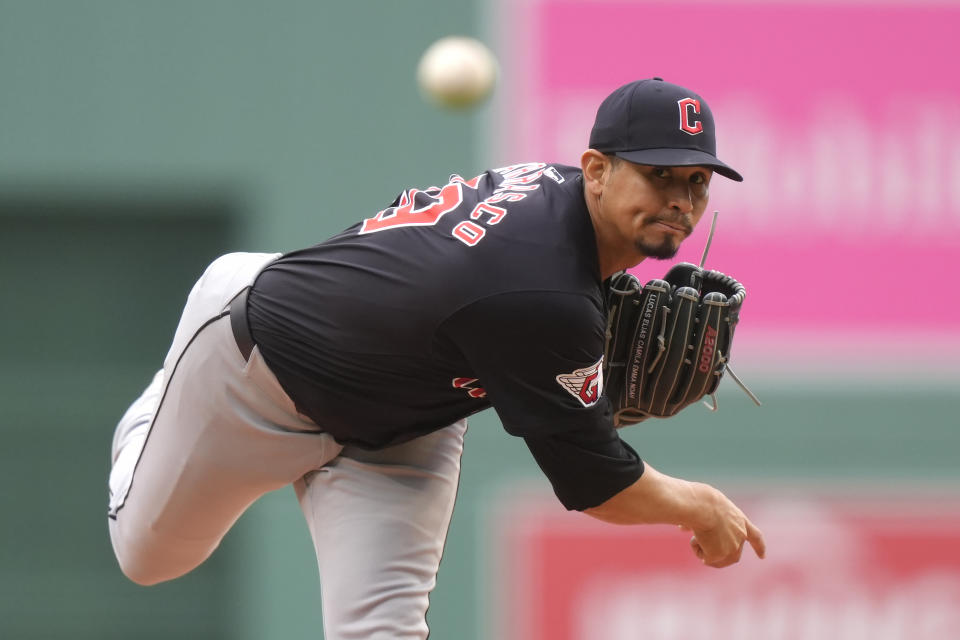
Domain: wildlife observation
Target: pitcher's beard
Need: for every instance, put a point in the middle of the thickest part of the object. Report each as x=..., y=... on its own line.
x=661, y=251
x=665, y=248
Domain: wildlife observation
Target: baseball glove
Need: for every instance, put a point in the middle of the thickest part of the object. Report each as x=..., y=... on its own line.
x=668, y=341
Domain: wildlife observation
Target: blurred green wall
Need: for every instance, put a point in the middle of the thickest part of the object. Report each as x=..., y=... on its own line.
x=138, y=140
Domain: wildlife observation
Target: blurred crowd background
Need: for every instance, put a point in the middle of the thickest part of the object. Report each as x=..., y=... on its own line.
x=139, y=140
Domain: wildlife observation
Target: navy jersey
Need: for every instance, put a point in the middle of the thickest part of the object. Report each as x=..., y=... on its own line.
x=483, y=292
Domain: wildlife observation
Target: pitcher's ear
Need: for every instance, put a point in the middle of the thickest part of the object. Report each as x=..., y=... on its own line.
x=596, y=168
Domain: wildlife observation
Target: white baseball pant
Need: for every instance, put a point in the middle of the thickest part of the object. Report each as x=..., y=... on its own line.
x=213, y=432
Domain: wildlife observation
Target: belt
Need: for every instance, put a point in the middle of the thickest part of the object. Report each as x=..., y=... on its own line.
x=240, y=324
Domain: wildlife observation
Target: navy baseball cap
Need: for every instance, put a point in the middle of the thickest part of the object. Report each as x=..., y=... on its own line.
x=657, y=123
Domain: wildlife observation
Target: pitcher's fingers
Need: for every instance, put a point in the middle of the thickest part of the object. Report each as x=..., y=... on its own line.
x=697, y=549
x=723, y=562
x=755, y=538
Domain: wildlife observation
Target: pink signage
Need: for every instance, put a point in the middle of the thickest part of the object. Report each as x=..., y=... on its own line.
x=844, y=569
x=844, y=119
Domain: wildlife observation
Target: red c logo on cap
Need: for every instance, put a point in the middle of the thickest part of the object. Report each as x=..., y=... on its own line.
x=687, y=123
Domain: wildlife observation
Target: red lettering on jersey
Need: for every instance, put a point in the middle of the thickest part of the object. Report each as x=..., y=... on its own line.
x=507, y=196
x=473, y=183
x=496, y=213
x=405, y=214
x=689, y=108
x=435, y=202
x=515, y=170
x=509, y=186
x=465, y=383
x=522, y=180
x=469, y=233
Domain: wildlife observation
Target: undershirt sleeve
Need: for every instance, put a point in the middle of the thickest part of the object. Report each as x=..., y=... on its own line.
x=517, y=344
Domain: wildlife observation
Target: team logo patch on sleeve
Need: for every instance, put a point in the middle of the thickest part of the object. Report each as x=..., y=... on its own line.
x=586, y=385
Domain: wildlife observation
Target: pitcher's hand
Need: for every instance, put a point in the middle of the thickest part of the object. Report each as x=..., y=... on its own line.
x=719, y=537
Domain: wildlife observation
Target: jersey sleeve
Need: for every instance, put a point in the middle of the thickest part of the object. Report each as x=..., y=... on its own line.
x=586, y=466
x=538, y=355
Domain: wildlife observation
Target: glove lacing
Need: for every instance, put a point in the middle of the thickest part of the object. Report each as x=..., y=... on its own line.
x=725, y=361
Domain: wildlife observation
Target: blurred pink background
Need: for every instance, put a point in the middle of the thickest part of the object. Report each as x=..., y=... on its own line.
x=849, y=567
x=843, y=118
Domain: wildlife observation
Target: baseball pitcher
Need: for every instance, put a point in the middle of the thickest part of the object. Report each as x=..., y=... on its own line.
x=349, y=368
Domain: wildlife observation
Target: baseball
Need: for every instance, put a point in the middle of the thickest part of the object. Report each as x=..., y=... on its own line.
x=457, y=72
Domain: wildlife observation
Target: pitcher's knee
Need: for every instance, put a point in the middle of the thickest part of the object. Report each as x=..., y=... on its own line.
x=138, y=564
x=148, y=559
x=139, y=572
